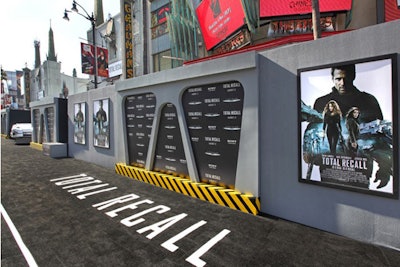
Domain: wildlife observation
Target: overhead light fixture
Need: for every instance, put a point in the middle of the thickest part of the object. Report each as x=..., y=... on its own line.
x=66, y=15
x=74, y=8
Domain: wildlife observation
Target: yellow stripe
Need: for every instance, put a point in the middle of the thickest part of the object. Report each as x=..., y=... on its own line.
x=216, y=195
x=36, y=146
x=249, y=204
x=152, y=178
x=173, y=182
x=238, y=201
x=204, y=189
x=226, y=198
x=197, y=190
x=167, y=183
x=188, y=188
x=160, y=180
x=181, y=186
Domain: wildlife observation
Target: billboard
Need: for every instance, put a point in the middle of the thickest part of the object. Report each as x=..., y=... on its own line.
x=218, y=19
x=275, y=8
x=348, y=126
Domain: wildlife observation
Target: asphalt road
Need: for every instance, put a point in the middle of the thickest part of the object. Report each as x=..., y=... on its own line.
x=73, y=213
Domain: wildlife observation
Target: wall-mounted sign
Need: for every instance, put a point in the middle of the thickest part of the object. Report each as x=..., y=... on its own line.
x=237, y=41
x=214, y=117
x=139, y=116
x=274, y=8
x=115, y=69
x=298, y=26
x=170, y=156
x=128, y=34
x=101, y=122
x=348, y=126
x=218, y=19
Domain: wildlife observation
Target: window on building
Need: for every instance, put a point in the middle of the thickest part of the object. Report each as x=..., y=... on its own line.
x=159, y=21
x=162, y=61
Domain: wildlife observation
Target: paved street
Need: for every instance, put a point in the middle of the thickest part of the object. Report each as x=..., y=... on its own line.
x=72, y=213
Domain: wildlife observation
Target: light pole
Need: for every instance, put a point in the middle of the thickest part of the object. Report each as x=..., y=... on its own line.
x=92, y=21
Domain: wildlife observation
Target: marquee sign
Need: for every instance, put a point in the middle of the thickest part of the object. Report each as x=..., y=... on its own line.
x=275, y=8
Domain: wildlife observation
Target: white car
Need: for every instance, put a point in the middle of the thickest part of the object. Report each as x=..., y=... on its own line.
x=19, y=130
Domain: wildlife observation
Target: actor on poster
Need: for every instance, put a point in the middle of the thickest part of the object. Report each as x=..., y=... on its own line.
x=79, y=119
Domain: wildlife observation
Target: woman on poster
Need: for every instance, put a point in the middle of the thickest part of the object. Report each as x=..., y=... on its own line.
x=332, y=128
x=353, y=129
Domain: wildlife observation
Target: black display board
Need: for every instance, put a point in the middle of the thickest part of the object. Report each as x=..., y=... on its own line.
x=214, y=117
x=139, y=112
x=50, y=123
x=170, y=156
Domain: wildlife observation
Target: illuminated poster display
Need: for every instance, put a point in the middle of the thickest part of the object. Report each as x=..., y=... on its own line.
x=80, y=123
x=170, y=156
x=214, y=117
x=274, y=8
x=348, y=132
x=218, y=19
x=139, y=112
x=101, y=122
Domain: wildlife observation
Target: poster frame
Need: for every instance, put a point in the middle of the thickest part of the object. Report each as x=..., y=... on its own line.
x=96, y=107
x=390, y=74
x=76, y=122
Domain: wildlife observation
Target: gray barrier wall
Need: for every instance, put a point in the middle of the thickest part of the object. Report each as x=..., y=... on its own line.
x=357, y=215
x=168, y=87
x=85, y=149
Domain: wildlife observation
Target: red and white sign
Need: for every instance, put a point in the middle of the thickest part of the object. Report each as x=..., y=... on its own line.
x=275, y=8
x=218, y=19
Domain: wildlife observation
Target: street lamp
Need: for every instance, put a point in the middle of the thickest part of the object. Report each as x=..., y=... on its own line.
x=92, y=21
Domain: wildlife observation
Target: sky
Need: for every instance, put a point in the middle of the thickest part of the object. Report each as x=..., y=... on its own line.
x=24, y=21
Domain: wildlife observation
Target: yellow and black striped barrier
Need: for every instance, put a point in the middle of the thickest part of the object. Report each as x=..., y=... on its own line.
x=36, y=146
x=207, y=192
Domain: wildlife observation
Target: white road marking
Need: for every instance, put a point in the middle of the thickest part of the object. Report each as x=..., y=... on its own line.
x=25, y=251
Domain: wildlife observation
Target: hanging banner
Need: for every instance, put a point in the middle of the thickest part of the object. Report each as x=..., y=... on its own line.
x=102, y=62
x=87, y=58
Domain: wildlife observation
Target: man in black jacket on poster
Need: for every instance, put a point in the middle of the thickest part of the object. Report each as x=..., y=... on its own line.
x=347, y=95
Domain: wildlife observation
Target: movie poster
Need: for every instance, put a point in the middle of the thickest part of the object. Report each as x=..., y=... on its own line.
x=348, y=128
x=102, y=62
x=80, y=123
x=101, y=122
x=87, y=58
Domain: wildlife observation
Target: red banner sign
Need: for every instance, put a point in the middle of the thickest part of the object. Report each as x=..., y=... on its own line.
x=218, y=19
x=274, y=8
x=102, y=62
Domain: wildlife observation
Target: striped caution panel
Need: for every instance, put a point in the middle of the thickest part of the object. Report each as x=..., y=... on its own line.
x=207, y=192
